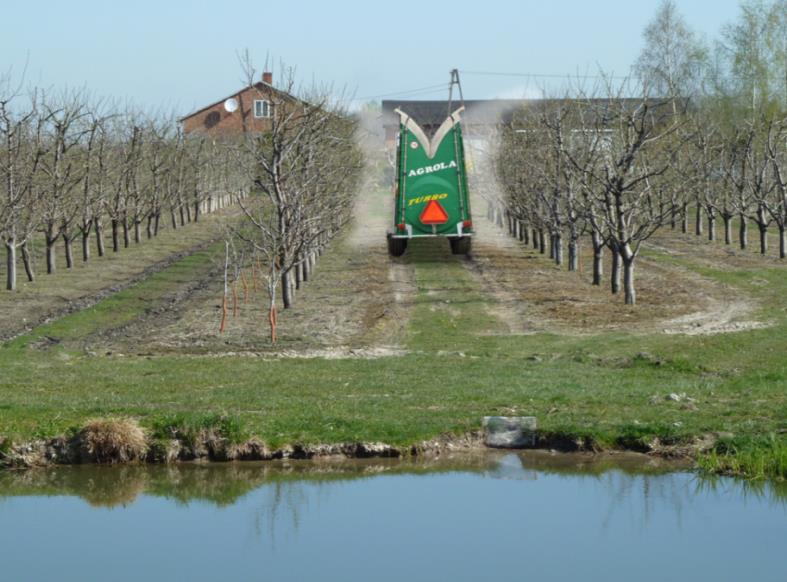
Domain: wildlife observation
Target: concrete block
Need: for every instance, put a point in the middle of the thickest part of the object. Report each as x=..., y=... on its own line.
x=510, y=432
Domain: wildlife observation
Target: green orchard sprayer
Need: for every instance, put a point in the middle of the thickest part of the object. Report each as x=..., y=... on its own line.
x=430, y=184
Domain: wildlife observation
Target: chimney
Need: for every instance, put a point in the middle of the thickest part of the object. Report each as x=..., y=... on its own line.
x=267, y=78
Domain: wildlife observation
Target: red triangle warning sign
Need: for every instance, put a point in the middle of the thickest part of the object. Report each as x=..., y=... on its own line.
x=434, y=213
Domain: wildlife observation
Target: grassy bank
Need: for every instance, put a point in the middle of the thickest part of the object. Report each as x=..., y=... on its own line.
x=606, y=391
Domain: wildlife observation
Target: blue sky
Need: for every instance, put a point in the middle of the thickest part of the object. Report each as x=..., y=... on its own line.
x=182, y=54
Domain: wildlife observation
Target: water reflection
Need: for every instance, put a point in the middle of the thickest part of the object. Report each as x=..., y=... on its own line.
x=563, y=516
x=225, y=483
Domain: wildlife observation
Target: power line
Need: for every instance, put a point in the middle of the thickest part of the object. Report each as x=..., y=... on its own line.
x=441, y=90
x=430, y=89
x=542, y=75
x=444, y=86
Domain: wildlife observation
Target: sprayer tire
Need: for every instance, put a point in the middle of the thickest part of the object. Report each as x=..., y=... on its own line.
x=461, y=245
x=396, y=246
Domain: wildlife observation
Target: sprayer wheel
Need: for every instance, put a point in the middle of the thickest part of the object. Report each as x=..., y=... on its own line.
x=461, y=245
x=396, y=246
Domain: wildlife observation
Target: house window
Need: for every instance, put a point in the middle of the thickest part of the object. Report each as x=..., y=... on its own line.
x=262, y=108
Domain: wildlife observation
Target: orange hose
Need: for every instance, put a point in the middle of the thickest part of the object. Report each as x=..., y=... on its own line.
x=234, y=300
x=223, y=314
x=273, y=319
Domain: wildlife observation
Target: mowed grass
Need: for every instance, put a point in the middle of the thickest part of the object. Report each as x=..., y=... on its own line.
x=609, y=389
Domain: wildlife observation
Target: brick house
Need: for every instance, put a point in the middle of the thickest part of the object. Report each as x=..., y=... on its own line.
x=249, y=109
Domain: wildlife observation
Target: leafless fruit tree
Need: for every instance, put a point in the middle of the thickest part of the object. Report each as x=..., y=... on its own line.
x=305, y=171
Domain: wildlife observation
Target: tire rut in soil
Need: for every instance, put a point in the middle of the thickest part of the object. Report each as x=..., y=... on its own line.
x=87, y=301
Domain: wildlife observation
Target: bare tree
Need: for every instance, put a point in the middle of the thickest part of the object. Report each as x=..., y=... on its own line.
x=20, y=155
x=97, y=184
x=625, y=197
x=69, y=163
x=760, y=182
x=305, y=172
x=775, y=143
x=702, y=169
x=736, y=167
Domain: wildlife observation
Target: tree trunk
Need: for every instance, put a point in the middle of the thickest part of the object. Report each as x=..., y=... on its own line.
x=196, y=211
x=115, y=235
x=763, y=239
x=615, y=272
x=782, y=242
x=542, y=241
x=298, y=275
x=286, y=290
x=534, y=236
x=173, y=217
x=598, y=258
x=698, y=221
x=10, y=273
x=126, y=237
x=743, y=233
x=727, y=229
x=763, y=226
x=51, y=263
x=573, y=254
x=684, y=224
x=84, y=230
x=149, y=227
x=69, y=248
x=85, y=245
x=525, y=234
x=50, y=237
x=307, y=268
x=137, y=232
x=711, y=225
x=100, y=238
x=28, y=263
x=558, y=244
x=628, y=279
x=156, y=223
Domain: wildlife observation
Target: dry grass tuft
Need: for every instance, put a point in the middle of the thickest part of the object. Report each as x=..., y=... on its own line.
x=113, y=440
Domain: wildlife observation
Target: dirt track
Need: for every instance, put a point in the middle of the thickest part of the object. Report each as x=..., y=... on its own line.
x=530, y=294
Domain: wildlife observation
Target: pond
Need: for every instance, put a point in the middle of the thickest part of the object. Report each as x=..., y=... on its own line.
x=495, y=515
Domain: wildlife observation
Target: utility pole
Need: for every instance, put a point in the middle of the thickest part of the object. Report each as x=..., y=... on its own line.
x=454, y=81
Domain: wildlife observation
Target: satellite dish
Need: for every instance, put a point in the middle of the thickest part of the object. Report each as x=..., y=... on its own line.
x=231, y=104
